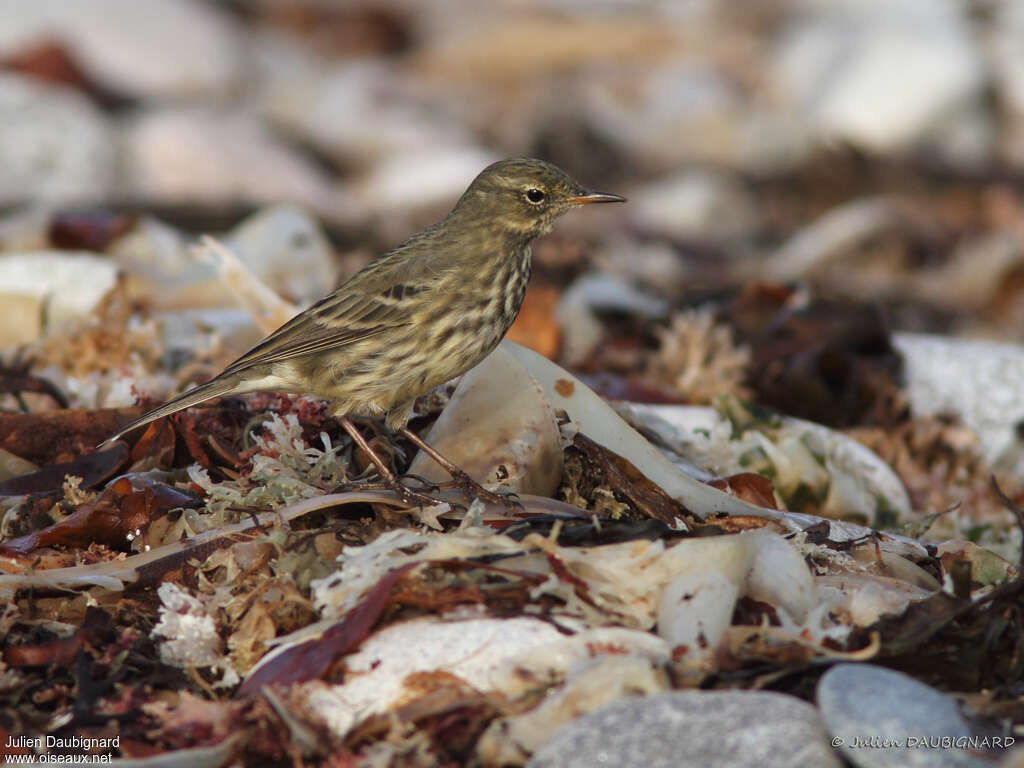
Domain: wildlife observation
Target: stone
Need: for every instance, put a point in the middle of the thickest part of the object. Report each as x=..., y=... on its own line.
x=695, y=205
x=888, y=77
x=200, y=156
x=590, y=684
x=406, y=184
x=148, y=49
x=944, y=374
x=1006, y=51
x=44, y=290
x=724, y=729
x=357, y=112
x=55, y=146
x=867, y=708
x=683, y=111
x=25, y=229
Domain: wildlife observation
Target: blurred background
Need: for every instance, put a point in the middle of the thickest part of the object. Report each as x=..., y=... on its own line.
x=868, y=153
x=733, y=127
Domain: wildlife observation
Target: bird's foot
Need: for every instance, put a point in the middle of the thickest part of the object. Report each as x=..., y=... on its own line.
x=469, y=487
x=424, y=484
x=414, y=498
x=472, y=489
x=419, y=496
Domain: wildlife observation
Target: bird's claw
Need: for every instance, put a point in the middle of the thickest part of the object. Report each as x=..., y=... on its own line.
x=414, y=498
x=471, y=488
x=425, y=484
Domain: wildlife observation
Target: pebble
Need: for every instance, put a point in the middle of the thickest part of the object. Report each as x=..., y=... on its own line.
x=695, y=205
x=888, y=77
x=358, y=112
x=590, y=685
x=1007, y=58
x=944, y=374
x=874, y=704
x=150, y=49
x=200, y=156
x=44, y=290
x=399, y=191
x=55, y=146
x=680, y=112
x=723, y=729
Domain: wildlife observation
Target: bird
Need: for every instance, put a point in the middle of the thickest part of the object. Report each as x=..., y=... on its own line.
x=417, y=316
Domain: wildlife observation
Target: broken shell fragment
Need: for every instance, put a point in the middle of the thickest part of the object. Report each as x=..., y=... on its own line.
x=598, y=421
x=708, y=575
x=696, y=609
x=513, y=656
x=44, y=290
x=801, y=457
x=779, y=575
x=500, y=428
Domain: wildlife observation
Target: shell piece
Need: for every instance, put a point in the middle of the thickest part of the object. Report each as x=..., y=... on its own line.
x=847, y=475
x=598, y=421
x=695, y=610
x=779, y=575
x=286, y=248
x=946, y=374
x=500, y=428
x=277, y=255
x=511, y=656
x=707, y=575
x=262, y=304
x=867, y=597
x=43, y=290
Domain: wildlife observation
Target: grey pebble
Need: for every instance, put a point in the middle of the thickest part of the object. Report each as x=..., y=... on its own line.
x=691, y=729
x=880, y=718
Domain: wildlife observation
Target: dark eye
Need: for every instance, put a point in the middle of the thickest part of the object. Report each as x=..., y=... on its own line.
x=535, y=195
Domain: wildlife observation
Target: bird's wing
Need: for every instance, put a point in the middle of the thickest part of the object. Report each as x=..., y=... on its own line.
x=374, y=301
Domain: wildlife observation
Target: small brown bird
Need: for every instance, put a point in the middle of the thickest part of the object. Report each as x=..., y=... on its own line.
x=419, y=315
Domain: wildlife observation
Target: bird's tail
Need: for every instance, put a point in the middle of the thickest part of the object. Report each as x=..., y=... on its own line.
x=211, y=389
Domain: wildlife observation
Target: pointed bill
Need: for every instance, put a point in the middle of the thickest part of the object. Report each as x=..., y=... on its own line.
x=596, y=197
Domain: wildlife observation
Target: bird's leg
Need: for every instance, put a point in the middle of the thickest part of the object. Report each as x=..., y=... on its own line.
x=409, y=496
x=462, y=480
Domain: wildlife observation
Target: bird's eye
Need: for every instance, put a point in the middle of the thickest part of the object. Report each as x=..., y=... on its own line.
x=535, y=195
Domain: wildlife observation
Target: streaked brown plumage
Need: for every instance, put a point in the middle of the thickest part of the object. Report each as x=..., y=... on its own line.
x=424, y=312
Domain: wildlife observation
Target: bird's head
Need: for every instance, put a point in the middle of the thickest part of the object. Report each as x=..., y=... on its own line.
x=524, y=196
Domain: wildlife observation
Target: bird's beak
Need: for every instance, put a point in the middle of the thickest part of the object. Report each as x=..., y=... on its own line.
x=595, y=197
